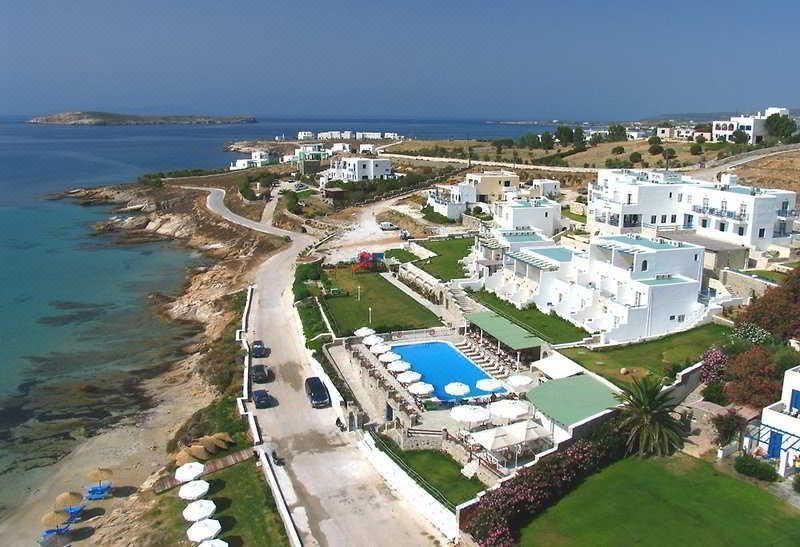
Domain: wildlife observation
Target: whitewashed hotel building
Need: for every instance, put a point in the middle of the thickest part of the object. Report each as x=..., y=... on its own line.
x=626, y=287
x=625, y=201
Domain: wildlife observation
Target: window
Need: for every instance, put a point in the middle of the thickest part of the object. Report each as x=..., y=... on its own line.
x=673, y=219
x=741, y=230
x=663, y=219
x=761, y=232
x=704, y=223
x=644, y=265
x=653, y=219
x=722, y=226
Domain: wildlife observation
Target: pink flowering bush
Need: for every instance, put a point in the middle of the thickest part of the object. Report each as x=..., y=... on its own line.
x=715, y=363
x=534, y=489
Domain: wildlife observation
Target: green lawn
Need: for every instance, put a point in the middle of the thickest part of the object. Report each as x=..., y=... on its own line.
x=549, y=327
x=437, y=470
x=445, y=265
x=656, y=356
x=245, y=509
x=678, y=501
x=769, y=275
x=401, y=254
x=569, y=214
x=392, y=309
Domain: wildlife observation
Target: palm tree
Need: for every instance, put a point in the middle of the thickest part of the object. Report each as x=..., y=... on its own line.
x=649, y=417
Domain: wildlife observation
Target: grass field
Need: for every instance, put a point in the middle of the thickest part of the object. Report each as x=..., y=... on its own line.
x=245, y=509
x=656, y=356
x=678, y=501
x=445, y=265
x=549, y=327
x=392, y=309
x=439, y=470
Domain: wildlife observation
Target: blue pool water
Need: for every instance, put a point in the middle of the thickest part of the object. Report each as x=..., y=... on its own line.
x=440, y=364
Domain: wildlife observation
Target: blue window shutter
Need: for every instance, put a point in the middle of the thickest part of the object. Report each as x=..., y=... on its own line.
x=775, y=441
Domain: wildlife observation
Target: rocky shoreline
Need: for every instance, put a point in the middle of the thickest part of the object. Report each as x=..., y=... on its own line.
x=136, y=447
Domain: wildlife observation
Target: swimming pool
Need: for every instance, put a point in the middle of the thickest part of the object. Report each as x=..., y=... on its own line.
x=440, y=363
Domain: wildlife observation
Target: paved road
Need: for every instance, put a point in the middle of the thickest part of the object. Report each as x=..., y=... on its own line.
x=335, y=495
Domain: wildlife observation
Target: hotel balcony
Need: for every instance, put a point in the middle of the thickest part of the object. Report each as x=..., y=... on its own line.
x=721, y=213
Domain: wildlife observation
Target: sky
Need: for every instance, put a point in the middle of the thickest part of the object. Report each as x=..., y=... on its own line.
x=581, y=60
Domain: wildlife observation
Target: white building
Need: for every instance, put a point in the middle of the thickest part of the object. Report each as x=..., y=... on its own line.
x=259, y=158
x=625, y=201
x=451, y=200
x=625, y=288
x=305, y=135
x=753, y=125
x=366, y=148
x=777, y=437
x=355, y=168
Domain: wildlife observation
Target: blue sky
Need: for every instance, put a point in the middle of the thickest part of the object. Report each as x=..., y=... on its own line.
x=462, y=59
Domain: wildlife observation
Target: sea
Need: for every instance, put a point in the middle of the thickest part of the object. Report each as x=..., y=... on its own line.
x=77, y=328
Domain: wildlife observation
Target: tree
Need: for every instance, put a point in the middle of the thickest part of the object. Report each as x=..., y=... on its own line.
x=654, y=140
x=753, y=378
x=655, y=149
x=618, y=150
x=579, y=139
x=648, y=414
x=547, y=140
x=617, y=133
x=781, y=127
x=564, y=134
x=635, y=157
x=740, y=137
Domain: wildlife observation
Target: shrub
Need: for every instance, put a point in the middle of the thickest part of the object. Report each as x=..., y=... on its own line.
x=715, y=393
x=635, y=157
x=728, y=426
x=753, y=467
x=655, y=149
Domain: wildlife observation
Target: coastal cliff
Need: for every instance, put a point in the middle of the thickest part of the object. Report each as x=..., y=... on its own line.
x=112, y=118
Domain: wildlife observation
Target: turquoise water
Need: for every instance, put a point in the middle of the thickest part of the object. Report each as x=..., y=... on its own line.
x=440, y=363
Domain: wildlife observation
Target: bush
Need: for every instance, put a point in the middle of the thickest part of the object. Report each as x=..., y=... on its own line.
x=753, y=467
x=715, y=393
x=635, y=157
x=655, y=149
x=618, y=150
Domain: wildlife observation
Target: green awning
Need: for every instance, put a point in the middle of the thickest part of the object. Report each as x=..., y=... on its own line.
x=567, y=401
x=509, y=334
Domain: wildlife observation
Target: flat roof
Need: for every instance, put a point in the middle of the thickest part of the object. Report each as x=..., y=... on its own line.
x=510, y=334
x=571, y=400
x=703, y=241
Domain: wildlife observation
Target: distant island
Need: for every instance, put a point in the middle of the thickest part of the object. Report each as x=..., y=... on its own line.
x=111, y=118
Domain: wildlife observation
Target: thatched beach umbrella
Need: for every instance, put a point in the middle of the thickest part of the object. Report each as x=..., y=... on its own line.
x=183, y=457
x=210, y=440
x=223, y=437
x=100, y=474
x=197, y=451
x=55, y=518
x=68, y=499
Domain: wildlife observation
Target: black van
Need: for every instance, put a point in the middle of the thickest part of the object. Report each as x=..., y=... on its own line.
x=317, y=393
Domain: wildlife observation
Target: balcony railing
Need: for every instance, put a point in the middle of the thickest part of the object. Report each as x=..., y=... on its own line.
x=722, y=213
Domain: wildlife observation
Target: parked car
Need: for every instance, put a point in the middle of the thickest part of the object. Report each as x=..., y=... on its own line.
x=258, y=349
x=262, y=399
x=260, y=374
x=317, y=393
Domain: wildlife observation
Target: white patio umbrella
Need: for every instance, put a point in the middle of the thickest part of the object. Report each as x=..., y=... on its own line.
x=470, y=414
x=377, y=349
x=203, y=530
x=398, y=366
x=189, y=472
x=364, y=331
x=409, y=377
x=509, y=409
x=388, y=357
x=214, y=543
x=457, y=389
x=193, y=490
x=519, y=381
x=489, y=384
x=420, y=388
x=199, y=510
x=371, y=340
